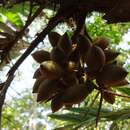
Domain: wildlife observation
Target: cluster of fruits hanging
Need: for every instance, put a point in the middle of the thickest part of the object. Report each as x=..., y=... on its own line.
x=70, y=72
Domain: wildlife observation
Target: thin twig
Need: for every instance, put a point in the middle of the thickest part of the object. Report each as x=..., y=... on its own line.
x=99, y=109
x=116, y=94
x=3, y=94
x=92, y=103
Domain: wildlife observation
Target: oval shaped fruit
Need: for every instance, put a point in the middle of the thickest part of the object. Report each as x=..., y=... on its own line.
x=110, y=55
x=58, y=55
x=69, y=79
x=102, y=42
x=72, y=66
x=111, y=74
x=56, y=103
x=75, y=94
x=108, y=97
x=41, y=56
x=83, y=44
x=54, y=38
x=120, y=83
x=37, y=74
x=65, y=44
x=47, y=89
x=95, y=59
x=37, y=84
x=75, y=56
x=50, y=70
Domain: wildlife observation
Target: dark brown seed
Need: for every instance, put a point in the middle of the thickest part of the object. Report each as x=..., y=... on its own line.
x=111, y=74
x=58, y=55
x=47, y=89
x=84, y=44
x=54, y=38
x=41, y=56
x=37, y=74
x=102, y=42
x=108, y=97
x=56, y=103
x=37, y=84
x=95, y=59
x=110, y=55
x=65, y=44
x=75, y=94
x=50, y=70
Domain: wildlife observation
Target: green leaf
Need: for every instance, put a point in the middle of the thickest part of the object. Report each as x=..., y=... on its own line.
x=67, y=117
x=15, y=19
x=124, y=90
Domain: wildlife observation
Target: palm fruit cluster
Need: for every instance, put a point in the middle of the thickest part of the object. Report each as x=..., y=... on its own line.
x=70, y=72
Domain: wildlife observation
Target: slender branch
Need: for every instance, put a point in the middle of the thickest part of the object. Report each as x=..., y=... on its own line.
x=99, y=109
x=116, y=94
x=3, y=94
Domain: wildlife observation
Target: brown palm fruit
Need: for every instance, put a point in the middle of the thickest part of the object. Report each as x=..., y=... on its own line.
x=47, y=89
x=110, y=55
x=102, y=42
x=56, y=103
x=65, y=44
x=74, y=56
x=69, y=79
x=111, y=74
x=50, y=70
x=121, y=83
x=37, y=74
x=107, y=96
x=58, y=55
x=83, y=44
x=68, y=106
x=75, y=94
x=54, y=38
x=41, y=56
x=37, y=84
x=95, y=59
x=72, y=66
